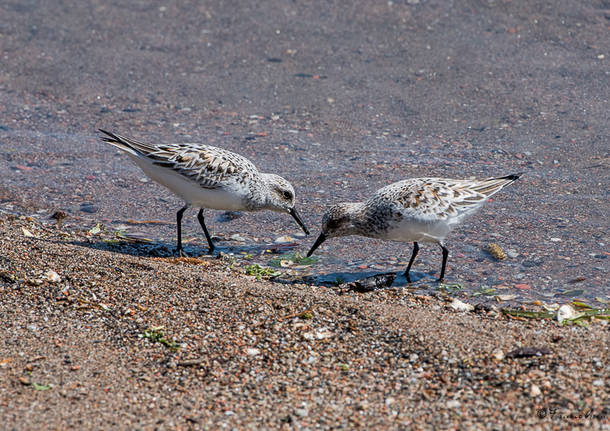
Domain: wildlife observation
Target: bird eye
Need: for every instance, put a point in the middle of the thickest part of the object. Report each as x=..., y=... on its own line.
x=287, y=194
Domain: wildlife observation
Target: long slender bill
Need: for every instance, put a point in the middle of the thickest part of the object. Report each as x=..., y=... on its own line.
x=295, y=215
x=316, y=244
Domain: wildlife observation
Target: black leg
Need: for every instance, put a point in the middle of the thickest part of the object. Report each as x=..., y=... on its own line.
x=179, y=223
x=205, y=231
x=445, y=255
x=415, y=250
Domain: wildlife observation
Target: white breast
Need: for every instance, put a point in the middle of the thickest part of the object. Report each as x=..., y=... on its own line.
x=409, y=230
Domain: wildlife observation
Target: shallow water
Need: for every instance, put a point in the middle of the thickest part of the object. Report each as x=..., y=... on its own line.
x=93, y=183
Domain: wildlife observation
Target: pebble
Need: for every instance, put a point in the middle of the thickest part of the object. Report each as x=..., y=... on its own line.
x=458, y=305
x=362, y=405
x=252, y=351
x=52, y=276
x=237, y=237
x=318, y=334
x=283, y=239
x=27, y=233
x=598, y=382
x=535, y=391
x=89, y=208
x=301, y=413
x=453, y=404
x=498, y=354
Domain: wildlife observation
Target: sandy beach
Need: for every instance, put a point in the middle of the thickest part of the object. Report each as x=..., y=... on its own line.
x=103, y=328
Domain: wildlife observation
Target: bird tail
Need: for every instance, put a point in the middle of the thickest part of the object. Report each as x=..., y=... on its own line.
x=126, y=144
x=493, y=185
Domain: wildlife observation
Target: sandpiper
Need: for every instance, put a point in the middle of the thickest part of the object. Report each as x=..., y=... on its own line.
x=413, y=210
x=209, y=177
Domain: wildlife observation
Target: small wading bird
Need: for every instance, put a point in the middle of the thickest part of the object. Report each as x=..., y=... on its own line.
x=414, y=210
x=209, y=177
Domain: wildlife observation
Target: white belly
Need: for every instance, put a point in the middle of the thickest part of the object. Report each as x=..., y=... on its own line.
x=190, y=191
x=411, y=230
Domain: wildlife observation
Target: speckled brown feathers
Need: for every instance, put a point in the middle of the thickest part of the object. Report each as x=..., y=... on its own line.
x=211, y=167
x=437, y=198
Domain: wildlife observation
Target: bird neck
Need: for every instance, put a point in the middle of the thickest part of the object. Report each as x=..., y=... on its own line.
x=261, y=193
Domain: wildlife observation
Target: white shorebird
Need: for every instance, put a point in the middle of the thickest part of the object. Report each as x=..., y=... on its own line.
x=209, y=177
x=413, y=210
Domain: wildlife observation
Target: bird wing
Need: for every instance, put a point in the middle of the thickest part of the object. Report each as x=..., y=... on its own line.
x=211, y=167
x=441, y=199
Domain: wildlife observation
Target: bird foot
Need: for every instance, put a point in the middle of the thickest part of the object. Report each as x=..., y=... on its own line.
x=181, y=253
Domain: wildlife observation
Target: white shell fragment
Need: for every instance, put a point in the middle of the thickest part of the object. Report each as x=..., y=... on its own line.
x=458, y=305
x=565, y=312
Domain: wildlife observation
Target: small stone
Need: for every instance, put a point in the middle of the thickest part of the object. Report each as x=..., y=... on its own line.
x=283, y=239
x=535, y=391
x=301, y=413
x=458, y=305
x=318, y=334
x=512, y=253
x=362, y=405
x=52, y=276
x=453, y=404
x=556, y=239
x=237, y=237
x=528, y=352
x=59, y=215
x=89, y=208
x=27, y=233
x=389, y=401
x=598, y=382
x=498, y=354
x=252, y=351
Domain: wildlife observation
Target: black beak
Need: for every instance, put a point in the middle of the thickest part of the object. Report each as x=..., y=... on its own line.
x=316, y=244
x=295, y=215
